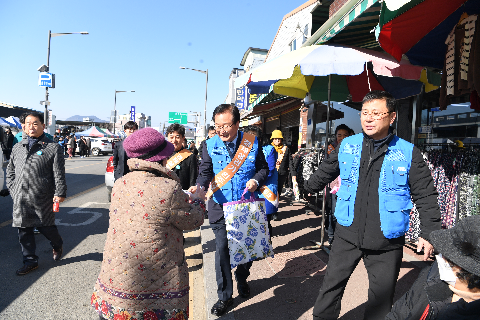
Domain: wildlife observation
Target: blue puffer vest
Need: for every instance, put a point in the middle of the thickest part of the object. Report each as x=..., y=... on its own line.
x=272, y=180
x=393, y=191
x=233, y=189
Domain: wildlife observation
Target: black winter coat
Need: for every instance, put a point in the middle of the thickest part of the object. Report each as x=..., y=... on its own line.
x=119, y=161
x=365, y=232
x=429, y=291
x=188, y=171
x=287, y=164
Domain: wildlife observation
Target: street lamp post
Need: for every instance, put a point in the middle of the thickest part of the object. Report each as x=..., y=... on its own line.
x=47, y=69
x=115, y=108
x=206, y=91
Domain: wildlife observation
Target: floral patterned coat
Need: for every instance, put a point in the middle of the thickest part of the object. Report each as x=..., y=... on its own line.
x=144, y=274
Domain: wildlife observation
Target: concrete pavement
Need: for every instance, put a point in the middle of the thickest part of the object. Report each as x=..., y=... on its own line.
x=285, y=287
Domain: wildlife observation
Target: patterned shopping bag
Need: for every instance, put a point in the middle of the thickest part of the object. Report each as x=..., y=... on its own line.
x=247, y=230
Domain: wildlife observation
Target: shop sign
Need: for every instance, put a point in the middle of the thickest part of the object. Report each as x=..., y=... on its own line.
x=243, y=98
x=422, y=136
x=425, y=129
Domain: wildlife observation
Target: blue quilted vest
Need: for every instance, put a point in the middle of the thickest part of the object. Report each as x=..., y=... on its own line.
x=233, y=189
x=393, y=191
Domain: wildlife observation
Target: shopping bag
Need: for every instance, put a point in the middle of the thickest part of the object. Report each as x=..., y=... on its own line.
x=247, y=230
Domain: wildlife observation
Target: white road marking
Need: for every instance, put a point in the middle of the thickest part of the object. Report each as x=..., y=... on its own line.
x=95, y=215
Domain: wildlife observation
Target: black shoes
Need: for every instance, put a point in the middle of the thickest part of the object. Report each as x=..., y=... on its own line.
x=57, y=255
x=221, y=307
x=26, y=269
x=243, y=289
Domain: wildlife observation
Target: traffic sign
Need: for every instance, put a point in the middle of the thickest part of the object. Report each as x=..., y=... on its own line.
x=46, y=80
x=177, y=117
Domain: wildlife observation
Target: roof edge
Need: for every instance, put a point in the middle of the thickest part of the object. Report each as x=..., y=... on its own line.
x=242, y=63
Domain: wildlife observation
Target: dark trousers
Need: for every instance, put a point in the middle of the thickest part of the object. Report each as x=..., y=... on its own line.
x=281, y=182
x=332, y=221
x=27, y=241
x=382, y=267
x=222, y=263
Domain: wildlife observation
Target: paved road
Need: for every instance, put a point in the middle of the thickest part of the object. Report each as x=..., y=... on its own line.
x=59, y=290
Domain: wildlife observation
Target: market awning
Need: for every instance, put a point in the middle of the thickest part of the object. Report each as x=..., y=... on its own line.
x=350, y=25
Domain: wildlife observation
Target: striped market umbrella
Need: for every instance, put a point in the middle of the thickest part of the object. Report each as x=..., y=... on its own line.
x=351, y=72
x=419, y=28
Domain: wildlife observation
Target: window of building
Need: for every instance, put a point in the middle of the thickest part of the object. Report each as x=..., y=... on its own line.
x=462, y=116
x=293, y=45
x=450, y=117
x=438, y=119
x=474, y=115
x=305, y=33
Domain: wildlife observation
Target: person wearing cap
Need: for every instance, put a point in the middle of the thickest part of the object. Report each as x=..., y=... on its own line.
x=450, y=288
x=229, y=149
x=186, y=168
x=120, y=158
x=380, y=176
x=284, y=162
x=144, y=274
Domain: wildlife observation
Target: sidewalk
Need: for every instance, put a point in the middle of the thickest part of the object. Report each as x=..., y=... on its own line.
x=285, y=287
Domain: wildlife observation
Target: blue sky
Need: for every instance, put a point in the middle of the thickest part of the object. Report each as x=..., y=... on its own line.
x=132, y=45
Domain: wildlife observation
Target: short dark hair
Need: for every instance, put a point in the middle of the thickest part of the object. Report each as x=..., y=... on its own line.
x=381, y=95
x=33, y=114
x=472, y=280
x=176, y=127
x=130, y=125
x=22, y=118
x=252, y=129
x=224, y=108
x=343, y=127
x=211, y=128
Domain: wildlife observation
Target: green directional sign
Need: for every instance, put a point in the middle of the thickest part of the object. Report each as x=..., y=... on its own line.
x=177, y=117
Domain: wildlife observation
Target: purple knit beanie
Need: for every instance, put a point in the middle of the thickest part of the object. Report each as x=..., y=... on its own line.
x=147, y=144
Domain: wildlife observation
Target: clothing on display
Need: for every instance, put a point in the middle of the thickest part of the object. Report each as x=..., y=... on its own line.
x=456, y=175
x=305, y=162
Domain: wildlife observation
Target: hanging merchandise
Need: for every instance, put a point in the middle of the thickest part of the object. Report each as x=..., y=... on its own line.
x=460, y=74
x=456, y=175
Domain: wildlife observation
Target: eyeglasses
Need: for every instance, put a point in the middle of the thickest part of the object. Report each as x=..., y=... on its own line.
x=374, y=114
x=224, y=127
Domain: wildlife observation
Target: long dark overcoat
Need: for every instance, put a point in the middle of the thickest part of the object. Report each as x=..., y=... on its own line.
x=34, y=177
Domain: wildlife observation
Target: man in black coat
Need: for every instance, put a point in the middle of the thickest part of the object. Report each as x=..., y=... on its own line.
x=450, y=288
x=36, y=180
x=8, y=143
x=187, y=169
x=373, y=209
x=120, y=167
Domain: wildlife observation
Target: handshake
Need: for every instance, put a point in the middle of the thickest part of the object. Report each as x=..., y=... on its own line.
x=197, y=193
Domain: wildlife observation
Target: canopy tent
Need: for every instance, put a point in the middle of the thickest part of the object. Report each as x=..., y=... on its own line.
x=15, y=121
x=419, y=28
x=92, y=132
x=110, y=134
x=5, y=123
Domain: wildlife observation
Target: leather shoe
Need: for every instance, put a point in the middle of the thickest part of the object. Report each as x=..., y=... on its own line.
x=243, y=289
x=221, y=307
x=57, y=255
x=26, y=269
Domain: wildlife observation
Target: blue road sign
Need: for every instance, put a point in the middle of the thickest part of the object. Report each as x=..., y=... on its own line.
x=132, y=113
x=45, y=79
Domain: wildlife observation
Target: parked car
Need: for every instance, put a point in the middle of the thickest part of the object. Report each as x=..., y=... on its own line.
x=99, y=146
x=109, y=179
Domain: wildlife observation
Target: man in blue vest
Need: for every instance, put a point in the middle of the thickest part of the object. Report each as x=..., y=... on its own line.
x=380, y=174
x=216, y=155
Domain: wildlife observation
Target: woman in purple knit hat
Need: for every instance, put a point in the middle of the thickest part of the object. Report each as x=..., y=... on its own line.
x=144, y=274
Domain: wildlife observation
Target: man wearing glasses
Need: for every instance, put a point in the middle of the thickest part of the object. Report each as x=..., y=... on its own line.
x=36, y=180
x=218, y=153
x=380, y=175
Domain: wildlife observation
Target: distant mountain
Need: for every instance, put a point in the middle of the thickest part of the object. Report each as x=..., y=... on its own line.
x=80, y=118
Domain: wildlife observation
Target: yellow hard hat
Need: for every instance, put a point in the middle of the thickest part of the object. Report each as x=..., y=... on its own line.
x=276, y=134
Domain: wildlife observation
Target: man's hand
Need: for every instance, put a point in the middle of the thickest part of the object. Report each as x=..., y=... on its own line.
x=427, y=248
x=251, y=185
x=59, y=199
x=198, y=194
